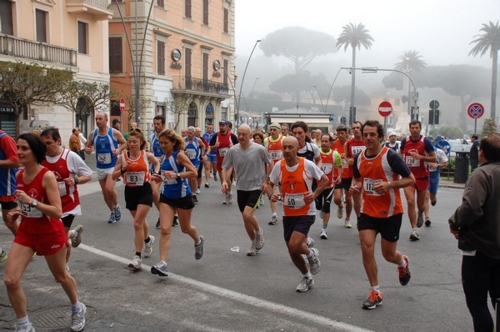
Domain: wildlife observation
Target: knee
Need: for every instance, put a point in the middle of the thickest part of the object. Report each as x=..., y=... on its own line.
x=367, y=248
x=247, y=216
x=294, y=246
x=11, y=283
x=166, y=231
x=138, y=225
x=411, y=202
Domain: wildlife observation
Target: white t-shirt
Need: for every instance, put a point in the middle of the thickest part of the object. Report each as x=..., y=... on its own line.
x=311, y=171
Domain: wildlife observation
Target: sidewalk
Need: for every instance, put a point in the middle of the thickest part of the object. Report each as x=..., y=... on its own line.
x=448, y=183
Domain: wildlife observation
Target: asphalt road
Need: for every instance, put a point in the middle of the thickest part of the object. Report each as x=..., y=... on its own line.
x=228, y=291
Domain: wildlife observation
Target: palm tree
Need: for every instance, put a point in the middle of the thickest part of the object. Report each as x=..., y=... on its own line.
x=489, y=40
x=410, y=61
x=354, y=36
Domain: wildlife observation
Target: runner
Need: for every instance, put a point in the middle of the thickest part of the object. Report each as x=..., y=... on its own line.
x=70, y=171
x=250, y=161
x=176, y=196
x=376, y=175
x=392, y=142
x=352, y=148
x=296, y=176
x=273, y=146
x=40, y=231
x=133, y=166
x=211, y=162
x=109, y=144
x=332, y=168
x=222, y=142
x=9, y=162
x=417, y=151
x=341, y=190
x=194, y=150
x=285, y=130
x=203, y=158
x=434, y=175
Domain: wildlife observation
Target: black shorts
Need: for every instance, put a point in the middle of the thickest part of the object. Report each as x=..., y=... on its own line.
x=68, y=220
x=300, y=224
x=138, y=195
x=387, y=227
x=324, y=201
x=183, y=203
x=8, y=205
x=346, y=183
x=248, y=198
x=200, y=170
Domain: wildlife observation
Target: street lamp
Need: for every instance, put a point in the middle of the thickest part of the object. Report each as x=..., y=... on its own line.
x=251, y=94
x=230, y=82
x=321, y=100
x=241, y=84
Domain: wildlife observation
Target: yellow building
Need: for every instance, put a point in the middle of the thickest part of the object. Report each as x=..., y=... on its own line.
x=182, y=53
x=70, y=35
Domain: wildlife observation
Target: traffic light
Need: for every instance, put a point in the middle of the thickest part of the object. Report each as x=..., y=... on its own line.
x=433, y=118
x=414, y=113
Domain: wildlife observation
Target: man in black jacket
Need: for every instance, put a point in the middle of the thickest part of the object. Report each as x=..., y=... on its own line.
x=476, y=225
x=474, y=153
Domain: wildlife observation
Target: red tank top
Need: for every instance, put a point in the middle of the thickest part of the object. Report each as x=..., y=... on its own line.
x=69, y=194
x=354, y=147
x=417, y=166
x=293, y=188
x=224, y=144
x=33, y=221
x=274, y=148
x=339, y=147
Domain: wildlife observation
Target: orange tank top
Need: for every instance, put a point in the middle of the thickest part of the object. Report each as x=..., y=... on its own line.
x=293, y=188
x=137, y=170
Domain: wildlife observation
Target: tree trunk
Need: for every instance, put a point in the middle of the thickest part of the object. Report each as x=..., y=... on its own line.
x=494, y=79
x=353, y=84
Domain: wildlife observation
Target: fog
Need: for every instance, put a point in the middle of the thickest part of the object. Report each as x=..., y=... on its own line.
x=440, y=31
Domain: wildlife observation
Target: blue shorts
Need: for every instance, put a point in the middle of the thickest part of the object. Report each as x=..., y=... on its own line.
x=212, y=158
x=433, y=182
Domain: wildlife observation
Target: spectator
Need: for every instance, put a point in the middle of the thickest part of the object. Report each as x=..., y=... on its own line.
x=474, y=153
x=116, y=124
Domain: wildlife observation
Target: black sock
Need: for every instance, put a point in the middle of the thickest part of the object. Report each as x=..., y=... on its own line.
x=138, y=254
x=147, y=240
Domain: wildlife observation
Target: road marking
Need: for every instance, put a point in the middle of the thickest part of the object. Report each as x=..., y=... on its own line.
x=243, y=298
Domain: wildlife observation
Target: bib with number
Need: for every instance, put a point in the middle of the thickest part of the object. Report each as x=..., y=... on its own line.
x=276, y=154
x=135, y=178
x=223, y=151
x=412, y=162
x=191, y=153
x=327, y=168
x=168, y=181
x=368, y=185
x=62, y=188
x=104, y=158
x=30, y=211
x=294, y=201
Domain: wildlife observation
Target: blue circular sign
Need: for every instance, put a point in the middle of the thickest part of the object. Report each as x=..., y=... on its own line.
x=210, y=108
x=444, y=145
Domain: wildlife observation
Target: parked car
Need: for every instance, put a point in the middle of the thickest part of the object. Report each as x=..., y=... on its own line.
x=458, y=146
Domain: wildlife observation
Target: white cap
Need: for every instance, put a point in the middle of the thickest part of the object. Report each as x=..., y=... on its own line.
x=392, y=133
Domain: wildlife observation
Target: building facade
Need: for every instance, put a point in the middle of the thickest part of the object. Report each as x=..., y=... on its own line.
x=177, y=57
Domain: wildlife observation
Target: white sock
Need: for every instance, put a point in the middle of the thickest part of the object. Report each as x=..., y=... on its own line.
x=308, y=275
x=376, y=288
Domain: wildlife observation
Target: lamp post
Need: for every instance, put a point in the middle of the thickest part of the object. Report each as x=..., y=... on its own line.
x=251, y=94
x=230, y=82
x=241, y=84
x=321, y=100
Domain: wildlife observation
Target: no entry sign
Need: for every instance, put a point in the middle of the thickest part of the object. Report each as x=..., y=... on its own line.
x=385, y=108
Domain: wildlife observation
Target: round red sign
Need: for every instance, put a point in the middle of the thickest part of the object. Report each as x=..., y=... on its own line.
x=385, y=108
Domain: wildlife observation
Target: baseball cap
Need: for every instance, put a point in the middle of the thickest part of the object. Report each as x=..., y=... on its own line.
x=115, y=121
x=275, y=125
x=392, y=133
x=223, y=122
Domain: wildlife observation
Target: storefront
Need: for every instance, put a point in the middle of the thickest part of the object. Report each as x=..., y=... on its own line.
x=7, y=119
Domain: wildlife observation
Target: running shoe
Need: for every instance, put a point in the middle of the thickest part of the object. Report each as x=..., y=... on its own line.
x=160, y=269
x=433, y=203
x=207, y=185
x=404, y=272
x=78, y=319
x=25, y=328
x=259, y=239
x=76, y=239
x=148, y=247
x=262, y=200
x=215, y=176
x=175, y=223
x=324, y=234
x=198, y=191
x=198, y=248
x=112, y=218
x=428, y=222
x=310, y=242
x=135, y=263
x=3, y=256
x=195, y=199
x=340, y=212
x=374, y=299
x=274, y=220
x=347, y=224
x=414, y=236
x=314, y=263
x=158, y=224
x=118, y=213
x=305, y=284
x=253, y=251
x=229, y=198
x=420, y=219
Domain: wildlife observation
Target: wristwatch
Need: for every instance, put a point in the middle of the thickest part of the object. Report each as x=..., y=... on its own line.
x=179, y=175
x=76, y=180
x=34, y=204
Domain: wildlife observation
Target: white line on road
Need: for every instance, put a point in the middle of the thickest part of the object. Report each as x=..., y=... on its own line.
x=246, y=299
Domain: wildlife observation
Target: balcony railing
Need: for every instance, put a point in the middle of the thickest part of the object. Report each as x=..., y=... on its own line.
x=28, y=49
x=98, y=8
x=200, y=85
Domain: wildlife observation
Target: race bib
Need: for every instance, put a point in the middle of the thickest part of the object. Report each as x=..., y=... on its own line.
x=222, y=152
x=168, y=181
x=62, y=188
x=104, y=158
x=432, y=168
x=294, y=201
x=191, y=153
x=344, y=163
x=276, y=154
x=355, y=150
x=412, y=162
x=368, y=185
x=327, y=168
x=135, y=178
x=30, y=212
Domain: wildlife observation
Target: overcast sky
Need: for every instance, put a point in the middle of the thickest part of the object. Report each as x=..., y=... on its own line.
x=440, y=30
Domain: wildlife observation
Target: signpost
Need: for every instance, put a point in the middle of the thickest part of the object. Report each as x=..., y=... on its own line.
x=122, y=108
x=475, y=111
x=385, y=109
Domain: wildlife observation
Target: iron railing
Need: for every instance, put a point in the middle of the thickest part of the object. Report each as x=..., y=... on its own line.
x=200, y=85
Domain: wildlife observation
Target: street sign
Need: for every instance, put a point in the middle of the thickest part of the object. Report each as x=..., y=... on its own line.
x=343, y=120
x=444, y=145
x=122, y=104
x=434, y=105
x=385, y=108
x=475, y=110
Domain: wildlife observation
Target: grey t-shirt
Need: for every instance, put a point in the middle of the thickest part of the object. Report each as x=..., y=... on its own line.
x=249, y=165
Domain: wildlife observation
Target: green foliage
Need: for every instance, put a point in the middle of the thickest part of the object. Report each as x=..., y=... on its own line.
x=354, y=36
x=451, y=132
x=410, y=61
x=489, y=127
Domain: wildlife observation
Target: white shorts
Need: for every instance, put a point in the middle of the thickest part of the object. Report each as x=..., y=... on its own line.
x=103, y=172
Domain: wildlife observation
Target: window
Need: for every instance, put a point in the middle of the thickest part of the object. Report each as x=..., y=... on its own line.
x=205, y=12
x=160, y=3
x=160, y=57
x=41, y=26
x=82, y=37
x=6, y=17
x=226, y=20
x=187, y=63
x=205, y=66
x=226, y=73
x=187, y=9
x=115, y=55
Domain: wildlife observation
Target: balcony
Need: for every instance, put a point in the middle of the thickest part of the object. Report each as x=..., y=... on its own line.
x=184, y=84
x=98, y=8
x=28, y=49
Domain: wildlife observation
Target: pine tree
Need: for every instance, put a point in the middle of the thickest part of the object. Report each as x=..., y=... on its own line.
x=489, y=127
